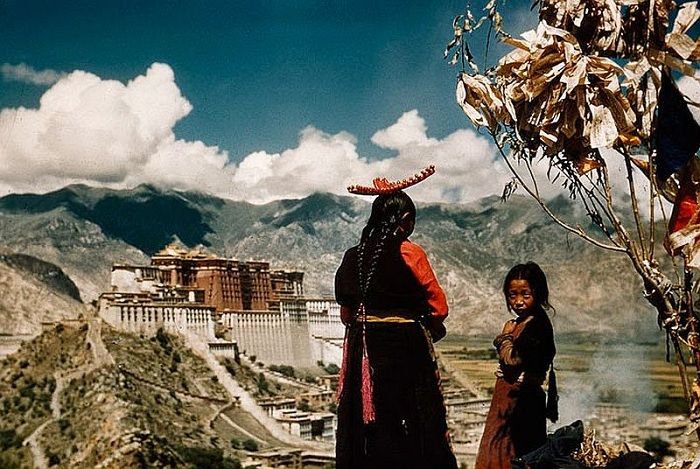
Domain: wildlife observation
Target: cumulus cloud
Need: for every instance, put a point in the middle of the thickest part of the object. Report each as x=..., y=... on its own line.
x=102, y=132
x=323, y=162
x=27, y=74
x=107, y=133
x=409, y=129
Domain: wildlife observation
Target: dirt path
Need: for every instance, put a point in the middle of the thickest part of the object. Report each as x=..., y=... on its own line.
x=100, y=354
x=37, y=451
x=247, y=402
x=100, y=357
x=220, y=414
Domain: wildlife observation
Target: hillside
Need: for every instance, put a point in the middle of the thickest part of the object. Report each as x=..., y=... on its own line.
x=34, y=291
x=83, y=395
x=85, y=230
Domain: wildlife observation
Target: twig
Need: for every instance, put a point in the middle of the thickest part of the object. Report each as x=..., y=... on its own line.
x=576, y=230
x=635, y=202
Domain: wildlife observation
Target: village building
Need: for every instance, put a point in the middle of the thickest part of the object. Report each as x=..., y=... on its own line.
x=668, y=428
x=288, y=459
x=318, y=398
x=274, y=405
x=307, y=425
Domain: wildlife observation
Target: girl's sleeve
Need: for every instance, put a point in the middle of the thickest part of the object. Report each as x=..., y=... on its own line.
x=503, y=342
x=415, y=258
x=507, y=353
x=534, y=345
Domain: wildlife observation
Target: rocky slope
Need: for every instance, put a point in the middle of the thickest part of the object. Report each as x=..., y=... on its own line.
x=85, y=230
x=83, y=395
x=34, y=291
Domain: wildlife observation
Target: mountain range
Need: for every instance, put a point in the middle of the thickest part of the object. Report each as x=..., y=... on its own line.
x=84, y=230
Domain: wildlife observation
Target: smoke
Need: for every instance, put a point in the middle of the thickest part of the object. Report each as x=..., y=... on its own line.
x=615, y=373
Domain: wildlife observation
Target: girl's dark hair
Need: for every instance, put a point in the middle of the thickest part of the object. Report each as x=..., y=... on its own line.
x=534, y=275
x=383, y=227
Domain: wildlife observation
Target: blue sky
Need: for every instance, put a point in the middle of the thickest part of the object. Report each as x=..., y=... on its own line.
x=257, y=74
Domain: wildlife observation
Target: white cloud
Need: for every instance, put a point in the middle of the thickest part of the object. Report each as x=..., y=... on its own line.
x=466, y=169
x=95, y=131
x=26, y=74
x=107, y=133
x=409, y=129
x=690, y=87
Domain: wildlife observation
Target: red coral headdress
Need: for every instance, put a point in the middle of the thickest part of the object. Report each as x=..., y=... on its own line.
x=382, y=186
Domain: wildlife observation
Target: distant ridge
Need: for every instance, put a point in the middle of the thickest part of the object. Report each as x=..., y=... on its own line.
x=143, y=217
x=84, y=230
x=34, y=291
x=45, y=272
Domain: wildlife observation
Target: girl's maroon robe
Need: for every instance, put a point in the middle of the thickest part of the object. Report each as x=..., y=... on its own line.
x=516, y=422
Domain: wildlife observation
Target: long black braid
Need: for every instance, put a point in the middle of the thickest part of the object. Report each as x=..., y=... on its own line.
x=384, y=224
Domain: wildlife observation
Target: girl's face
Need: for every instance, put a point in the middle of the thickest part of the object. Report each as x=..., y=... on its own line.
x=520, y=297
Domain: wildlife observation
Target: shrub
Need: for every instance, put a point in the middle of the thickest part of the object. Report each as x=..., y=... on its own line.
x=63, y=424
x=286, y=370
x=304, y=406
x=204, y=458
x=250, y=445
x=164, y=341
x=229, y=367
x=9, y=439
x=263, y=385
x=54, y=460
x=28, y=392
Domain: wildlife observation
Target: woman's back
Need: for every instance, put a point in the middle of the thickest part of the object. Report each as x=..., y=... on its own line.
x=394, y=287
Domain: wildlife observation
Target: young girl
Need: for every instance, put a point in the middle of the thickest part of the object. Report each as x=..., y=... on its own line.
x=390, y=411
x=516, y=422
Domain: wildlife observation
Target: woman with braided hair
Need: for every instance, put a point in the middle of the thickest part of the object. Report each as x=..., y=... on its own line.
x=390, y=410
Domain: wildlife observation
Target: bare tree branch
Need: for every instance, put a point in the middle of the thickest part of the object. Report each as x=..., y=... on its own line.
x=576, y=230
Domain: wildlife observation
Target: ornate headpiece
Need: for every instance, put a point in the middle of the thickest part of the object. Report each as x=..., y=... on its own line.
x=382, y=186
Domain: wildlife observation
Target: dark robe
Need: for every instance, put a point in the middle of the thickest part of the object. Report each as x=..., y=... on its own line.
x=410, y=429
x=516, y=422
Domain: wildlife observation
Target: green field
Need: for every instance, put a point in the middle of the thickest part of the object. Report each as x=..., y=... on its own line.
x=590, y=369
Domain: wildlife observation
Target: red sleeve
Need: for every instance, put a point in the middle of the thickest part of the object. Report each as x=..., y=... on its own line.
x=346, y=315
x=416, y=259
